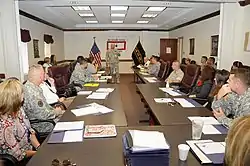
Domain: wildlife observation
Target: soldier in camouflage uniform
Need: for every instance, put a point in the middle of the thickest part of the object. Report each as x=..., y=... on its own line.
x=154, y=66
x=35, y=105
x=112, y=62
x=233, y=99
x=81, y=74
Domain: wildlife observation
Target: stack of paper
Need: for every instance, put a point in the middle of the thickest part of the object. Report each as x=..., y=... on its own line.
x=98, y=96
x=105, y=77
x=100, y=72
x=67, y=132
x=170, y=91
x=155, y=141
x=84, y=92
x=151, y=79
x=208, y=151
x=184, y=103
x=92, y=108
x=163, y=100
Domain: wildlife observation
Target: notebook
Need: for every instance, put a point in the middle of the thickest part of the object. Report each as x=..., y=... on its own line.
x=100, y=131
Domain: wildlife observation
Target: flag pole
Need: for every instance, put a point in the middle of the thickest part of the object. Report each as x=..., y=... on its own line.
x=94, y=38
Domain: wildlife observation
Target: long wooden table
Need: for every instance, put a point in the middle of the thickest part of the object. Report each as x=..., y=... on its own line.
x=164, y=113
x=109, y=151
x=113, y=101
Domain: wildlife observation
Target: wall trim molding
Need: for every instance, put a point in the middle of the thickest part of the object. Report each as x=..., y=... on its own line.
x=211, y=15
x=25, y=14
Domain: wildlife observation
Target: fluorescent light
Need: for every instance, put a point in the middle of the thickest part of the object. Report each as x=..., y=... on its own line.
x=81, y=7
x=156, y=9
x=142, y=22
x=118, y=15
x=86, y=14
x=92, y=22
x=122, y=8
x=117, y=22
x=149, y=15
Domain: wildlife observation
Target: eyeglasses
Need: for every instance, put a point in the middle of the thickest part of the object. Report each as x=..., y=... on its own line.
x=56, y=162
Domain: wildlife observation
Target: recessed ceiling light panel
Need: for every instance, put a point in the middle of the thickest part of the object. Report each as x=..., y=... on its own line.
x=119, y=8
x=91, y=21
x=117, y=22
x=149, y=15
x=118, y=15
x=142, y=22
x=81, y=8
x=156, y=9
x=86, y=14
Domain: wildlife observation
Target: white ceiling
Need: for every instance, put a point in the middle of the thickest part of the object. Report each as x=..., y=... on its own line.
x=60, y=12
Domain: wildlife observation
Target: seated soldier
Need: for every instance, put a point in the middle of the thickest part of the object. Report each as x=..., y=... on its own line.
x=233, y=99
x=176, y=75
x=81, y=74
x=154, y=66
x=35, y=105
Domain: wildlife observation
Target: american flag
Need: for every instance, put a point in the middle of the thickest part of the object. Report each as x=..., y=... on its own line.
x=96, y=54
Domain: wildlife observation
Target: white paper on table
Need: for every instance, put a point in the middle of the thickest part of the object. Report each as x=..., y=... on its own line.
x=100, y=72
x=163, y=100
x=211, y=147
x=84, y=92
x=101, y=109
x=184, y=103
x=155, y=140
x=105, y=77
x=105, y=90
x=97, y=95
x=206, y=120
x=101, y=80
x=69, y=125
x=203, y=158
x=151, y=79
x=145, y=74
x=210, y=129
x=85, y=111
x=171, y=92
x=73, y=136
x=166, y=89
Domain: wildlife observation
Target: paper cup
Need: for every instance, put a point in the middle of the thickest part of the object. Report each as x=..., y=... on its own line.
x=183, y=151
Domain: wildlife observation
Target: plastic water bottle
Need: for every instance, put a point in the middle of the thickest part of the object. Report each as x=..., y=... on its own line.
x=167, y=84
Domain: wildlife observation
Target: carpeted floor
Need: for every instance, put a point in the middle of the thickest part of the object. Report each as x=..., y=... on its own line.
x=132, y=105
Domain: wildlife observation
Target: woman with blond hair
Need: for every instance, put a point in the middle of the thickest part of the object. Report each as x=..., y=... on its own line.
x=238, y=143
x=16, y=135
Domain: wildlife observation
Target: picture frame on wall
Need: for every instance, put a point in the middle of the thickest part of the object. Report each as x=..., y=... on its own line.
x=191, y=46
x=214, y=45
x=36, y=48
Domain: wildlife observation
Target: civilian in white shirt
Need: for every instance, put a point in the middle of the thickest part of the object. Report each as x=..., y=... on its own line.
x=49, y=92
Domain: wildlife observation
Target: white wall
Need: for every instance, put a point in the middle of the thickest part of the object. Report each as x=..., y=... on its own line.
x=234, y=25
x=202, y=32
x=37, y=31
x=82, y=41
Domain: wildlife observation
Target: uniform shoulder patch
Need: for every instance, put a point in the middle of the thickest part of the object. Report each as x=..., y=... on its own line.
x=40, y=103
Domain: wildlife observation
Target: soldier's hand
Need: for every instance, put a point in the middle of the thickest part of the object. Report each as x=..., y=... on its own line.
x=218, y=113
x=225, y=89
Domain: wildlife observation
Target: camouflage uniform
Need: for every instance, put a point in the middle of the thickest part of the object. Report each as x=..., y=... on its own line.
x=112, y=60
x=233, y=104
x=81, y=76
x=154, y=69
x=36, y=107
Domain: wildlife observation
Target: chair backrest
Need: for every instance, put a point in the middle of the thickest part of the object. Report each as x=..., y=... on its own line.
x=191, y=75
x=162, y=70
x=61, y=75
x=8, y=160
x=2, y=76
x=183, y=68
x=168, y=70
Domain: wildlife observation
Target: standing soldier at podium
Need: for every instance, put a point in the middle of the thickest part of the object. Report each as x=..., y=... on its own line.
x=112, y=62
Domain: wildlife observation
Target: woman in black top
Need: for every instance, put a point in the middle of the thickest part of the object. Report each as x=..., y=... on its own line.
x=204, y=84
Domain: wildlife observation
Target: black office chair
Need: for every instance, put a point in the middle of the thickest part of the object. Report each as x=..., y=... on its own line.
x=8, y=160
x=41, y=136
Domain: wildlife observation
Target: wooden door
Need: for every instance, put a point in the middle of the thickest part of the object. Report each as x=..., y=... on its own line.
x=168, y=49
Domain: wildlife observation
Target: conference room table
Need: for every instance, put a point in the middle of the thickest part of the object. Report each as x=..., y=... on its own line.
x=164, y=113
x=113, y=101
x=109, y=151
